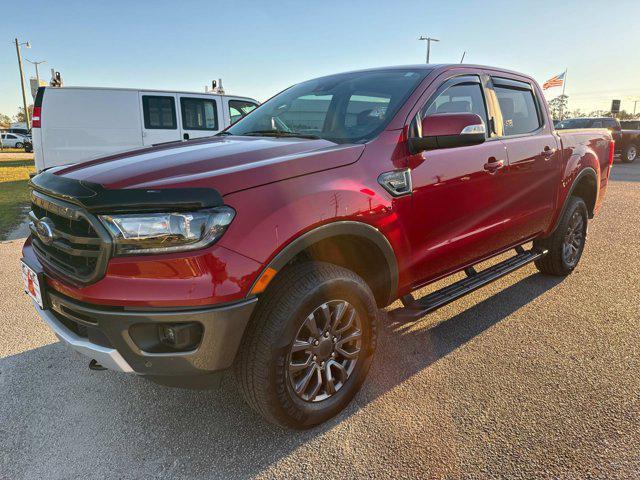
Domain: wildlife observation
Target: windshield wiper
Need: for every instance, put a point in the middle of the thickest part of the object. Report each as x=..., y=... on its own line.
x=224, y=133
x=279, y=134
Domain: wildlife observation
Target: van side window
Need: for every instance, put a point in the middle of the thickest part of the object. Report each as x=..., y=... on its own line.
x=519, y=111
x=159, y=112
x=199, y=114
x=239, y=109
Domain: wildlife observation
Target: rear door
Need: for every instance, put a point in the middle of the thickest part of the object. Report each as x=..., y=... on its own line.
x=159, y=118
x=10, y=140
x=200, y=115
x=534, y=158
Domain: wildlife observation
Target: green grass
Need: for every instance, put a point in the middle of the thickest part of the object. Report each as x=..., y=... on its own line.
x=12, y=150
x=14, y=194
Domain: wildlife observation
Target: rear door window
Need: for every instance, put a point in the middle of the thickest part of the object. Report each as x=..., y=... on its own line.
x=159, y=112
x=199, y=114
x=519, y=111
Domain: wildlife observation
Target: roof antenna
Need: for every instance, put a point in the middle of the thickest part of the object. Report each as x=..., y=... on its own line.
x=463, y=54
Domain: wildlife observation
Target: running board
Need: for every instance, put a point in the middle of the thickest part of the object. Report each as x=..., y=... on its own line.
x=415, y=309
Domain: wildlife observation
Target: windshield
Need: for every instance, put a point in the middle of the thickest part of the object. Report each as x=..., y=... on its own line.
x=344, y=108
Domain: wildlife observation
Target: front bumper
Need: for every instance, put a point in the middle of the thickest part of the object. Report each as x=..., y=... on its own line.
x=103, y=334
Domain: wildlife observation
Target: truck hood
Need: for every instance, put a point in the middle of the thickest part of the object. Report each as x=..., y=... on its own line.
x=227, y=164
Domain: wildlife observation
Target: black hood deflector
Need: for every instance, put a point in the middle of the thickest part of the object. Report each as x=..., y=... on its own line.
x=97, y=199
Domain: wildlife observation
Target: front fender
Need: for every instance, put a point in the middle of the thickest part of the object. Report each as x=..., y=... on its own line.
x=275, y=222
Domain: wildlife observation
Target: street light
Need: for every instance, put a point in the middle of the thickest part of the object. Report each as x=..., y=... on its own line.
x=428, y=40
x=24, y=95
x=35, y=64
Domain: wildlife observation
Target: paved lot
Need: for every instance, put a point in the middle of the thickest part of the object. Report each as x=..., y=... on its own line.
x=531, y=376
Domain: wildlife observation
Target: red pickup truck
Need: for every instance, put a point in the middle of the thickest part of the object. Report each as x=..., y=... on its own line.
x=272, y=247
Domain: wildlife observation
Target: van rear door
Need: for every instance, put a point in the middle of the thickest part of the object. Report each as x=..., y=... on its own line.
x=159, y=118
x=200, y=115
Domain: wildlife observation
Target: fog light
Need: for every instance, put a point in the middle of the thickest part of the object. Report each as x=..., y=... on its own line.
x=180, y=336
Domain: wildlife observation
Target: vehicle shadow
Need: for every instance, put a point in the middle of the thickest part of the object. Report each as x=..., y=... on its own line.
x=60, y=420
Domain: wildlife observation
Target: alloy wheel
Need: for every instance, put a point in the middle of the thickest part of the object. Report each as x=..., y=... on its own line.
x=325, y=351
x=573, y=239
x=632, y=153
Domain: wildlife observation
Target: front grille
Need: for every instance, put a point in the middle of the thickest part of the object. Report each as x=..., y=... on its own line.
x=68, y=239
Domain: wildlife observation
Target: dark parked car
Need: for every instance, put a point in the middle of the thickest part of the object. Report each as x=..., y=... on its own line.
x=630, y=124
x=627, y=140
x=270, y=248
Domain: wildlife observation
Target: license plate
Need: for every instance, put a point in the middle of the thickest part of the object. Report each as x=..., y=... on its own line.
x=32, y=284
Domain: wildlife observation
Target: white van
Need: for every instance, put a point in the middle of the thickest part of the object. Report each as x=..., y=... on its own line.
x=76, y=124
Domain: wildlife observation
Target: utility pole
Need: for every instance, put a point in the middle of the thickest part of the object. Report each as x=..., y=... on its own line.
x=428, y=40
x=24, y=94
x=35, y=64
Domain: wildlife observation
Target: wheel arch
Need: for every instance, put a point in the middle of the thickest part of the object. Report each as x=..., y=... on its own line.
x=357, y=246
x=585, y=186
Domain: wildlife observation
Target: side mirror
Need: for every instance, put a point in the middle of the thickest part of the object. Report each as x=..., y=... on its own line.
x=448, y=130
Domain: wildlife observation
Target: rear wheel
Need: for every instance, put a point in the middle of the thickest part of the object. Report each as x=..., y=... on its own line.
x=567, y=242
x=630, y=153
x=309, y=345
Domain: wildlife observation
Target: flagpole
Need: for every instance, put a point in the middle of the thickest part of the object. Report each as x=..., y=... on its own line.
x=564, y=85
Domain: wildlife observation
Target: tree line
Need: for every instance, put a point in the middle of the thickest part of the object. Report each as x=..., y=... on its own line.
x=559, y=111
x=5, y=120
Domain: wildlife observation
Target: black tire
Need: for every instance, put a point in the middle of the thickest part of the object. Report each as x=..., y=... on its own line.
x=630, y=153
x=19, y=145
x=263, y=365
x=28, y=148
x=558, y=262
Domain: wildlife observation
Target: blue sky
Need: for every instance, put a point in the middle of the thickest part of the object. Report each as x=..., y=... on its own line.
x=259, y=48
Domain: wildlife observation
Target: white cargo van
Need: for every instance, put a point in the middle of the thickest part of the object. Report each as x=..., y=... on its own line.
x=76, y=124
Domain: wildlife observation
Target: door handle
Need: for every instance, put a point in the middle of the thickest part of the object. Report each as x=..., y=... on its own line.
x=493, y=165
x=548, y=152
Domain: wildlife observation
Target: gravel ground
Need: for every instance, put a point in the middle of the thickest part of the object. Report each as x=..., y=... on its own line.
x=529, y=377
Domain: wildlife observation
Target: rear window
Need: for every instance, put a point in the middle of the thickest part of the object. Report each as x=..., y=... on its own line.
x=159, y=112
x=199, y=114
x=519, y=110
x=574, y=123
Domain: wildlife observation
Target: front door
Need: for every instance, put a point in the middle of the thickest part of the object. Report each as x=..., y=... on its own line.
x=458, y=193
x=159, y=118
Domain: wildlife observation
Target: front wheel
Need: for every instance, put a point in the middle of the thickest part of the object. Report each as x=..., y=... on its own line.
x=630, y=153
x=566, y=243
x=19, y=145
x=309, y=345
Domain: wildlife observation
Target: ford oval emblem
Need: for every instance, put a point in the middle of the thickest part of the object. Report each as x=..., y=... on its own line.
x=44, y=229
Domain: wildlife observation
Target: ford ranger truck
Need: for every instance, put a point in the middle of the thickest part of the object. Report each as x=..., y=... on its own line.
x=271, y=248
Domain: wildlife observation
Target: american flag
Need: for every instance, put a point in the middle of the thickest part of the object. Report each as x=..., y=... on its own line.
x=556, y=81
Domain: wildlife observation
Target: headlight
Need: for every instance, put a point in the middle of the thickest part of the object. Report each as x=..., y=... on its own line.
x=167, y=232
